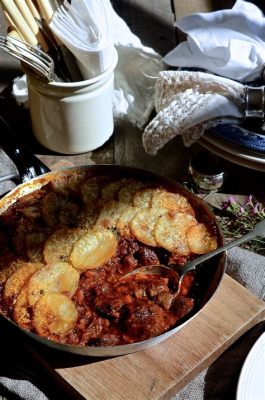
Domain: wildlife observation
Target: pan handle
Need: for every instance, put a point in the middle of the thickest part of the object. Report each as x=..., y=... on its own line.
x=27, y=164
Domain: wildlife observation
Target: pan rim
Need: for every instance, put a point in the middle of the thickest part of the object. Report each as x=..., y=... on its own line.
x=115, y=169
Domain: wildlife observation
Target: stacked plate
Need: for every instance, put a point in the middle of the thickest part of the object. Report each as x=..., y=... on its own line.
x=251, y=383
x=239, y=144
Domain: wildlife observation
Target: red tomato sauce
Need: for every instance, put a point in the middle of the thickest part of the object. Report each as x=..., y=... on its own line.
x=115, y=310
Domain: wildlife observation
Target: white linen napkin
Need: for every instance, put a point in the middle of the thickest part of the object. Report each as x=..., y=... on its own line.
x=135, y=75
x=229, y=43
x=189, y=102
x=84, y=27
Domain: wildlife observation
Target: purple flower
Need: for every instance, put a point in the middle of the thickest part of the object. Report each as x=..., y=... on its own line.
x=225, y=205
x=241, y=219
x=231, y=200
x=249, y=201
x=256, y=208
x=242, y=210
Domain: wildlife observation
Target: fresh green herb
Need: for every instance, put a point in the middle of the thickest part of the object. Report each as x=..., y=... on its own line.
x=237, y=219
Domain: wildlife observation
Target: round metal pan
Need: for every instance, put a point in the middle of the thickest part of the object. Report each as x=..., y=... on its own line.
x=208, y=278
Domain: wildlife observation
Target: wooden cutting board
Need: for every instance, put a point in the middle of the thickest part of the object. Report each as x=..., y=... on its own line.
x=161, y=371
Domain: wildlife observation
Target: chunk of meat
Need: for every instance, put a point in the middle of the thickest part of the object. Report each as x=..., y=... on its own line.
x=144, y=319
x=147, y=256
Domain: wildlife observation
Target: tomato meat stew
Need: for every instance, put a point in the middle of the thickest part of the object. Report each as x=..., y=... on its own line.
x=67, y=250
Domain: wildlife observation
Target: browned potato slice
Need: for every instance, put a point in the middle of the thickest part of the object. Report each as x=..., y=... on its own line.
x=170, y=232
x=201, y=239
x=110, y=214
x=34, y=245
x=87, y=217
x=18, y=279
x=29, y=205
x=54, y=314
x=143, y=223
x=59, y=210
x=93, y=249
x=142, y=198
x=32, y=211
x=110, y=190
x=171, y=201
x=24, y=227
x=127, y=192
x=90, y=191
x=21, y=313
x=55, y=278
x=58, y=246
x=123, y=224
x=8, y=265
x=68, y=182
x=50, y=208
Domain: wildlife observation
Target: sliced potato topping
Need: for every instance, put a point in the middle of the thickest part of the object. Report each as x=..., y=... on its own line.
x=34, y=246
x=127, y=192
x=171, y=201
x=87, y=217
x=90, y=192
x=32, y=211
x=170, y=232
x=8, y=265
x=143, y=223
x=59, y=277
x=201, y=239
x=68, y=184
x=54, y=314
x=24, y=227
x=58, y=246
x=123, y=224
x=93, y=249
x=21, y=313
x=58, y=210
x=50, y=208
x=18, y=279
x=89, y=226
x=142, y=197
x=110, y=214
x=110, y=190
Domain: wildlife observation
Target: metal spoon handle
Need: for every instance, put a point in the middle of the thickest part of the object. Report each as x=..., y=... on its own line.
x=192, y=264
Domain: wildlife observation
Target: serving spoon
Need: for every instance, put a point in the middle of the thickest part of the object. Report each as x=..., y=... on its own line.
x=258, y=230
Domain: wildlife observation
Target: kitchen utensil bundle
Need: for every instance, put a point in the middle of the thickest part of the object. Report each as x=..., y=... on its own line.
x=39, y=61
x=76, y=36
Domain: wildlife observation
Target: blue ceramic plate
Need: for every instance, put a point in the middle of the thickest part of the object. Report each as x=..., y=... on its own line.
x=242, y=136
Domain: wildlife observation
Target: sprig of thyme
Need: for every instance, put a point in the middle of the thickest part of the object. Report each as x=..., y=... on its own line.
x=237, y=219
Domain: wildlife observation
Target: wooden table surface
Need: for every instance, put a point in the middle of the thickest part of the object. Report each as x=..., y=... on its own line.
x=125, y=146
